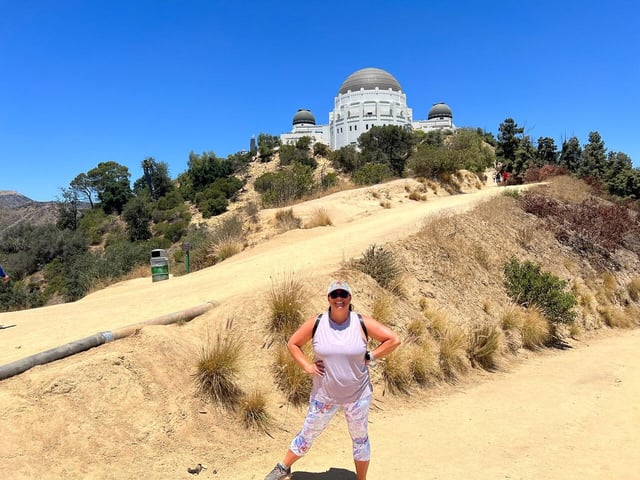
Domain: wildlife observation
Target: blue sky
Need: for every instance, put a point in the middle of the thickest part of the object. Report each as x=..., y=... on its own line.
x=88, y=81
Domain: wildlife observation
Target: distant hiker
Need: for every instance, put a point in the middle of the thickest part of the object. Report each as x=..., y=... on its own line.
x=3, y=275
x=340, y=375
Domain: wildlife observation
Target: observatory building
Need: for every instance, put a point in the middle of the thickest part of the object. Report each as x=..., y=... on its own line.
x=367, y=98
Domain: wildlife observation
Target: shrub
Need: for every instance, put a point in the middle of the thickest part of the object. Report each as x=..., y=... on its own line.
x=320, y=218
x=453, y=352
x=383, y=309
x=535, y=329
x=217, y=369
x=423, y=362
x=485, y=345
x=372, y=173
x=618, y=318
x=254, y=411
x=397, y=372
x=380, y=264
x=527, y=285
x=286, y=300
x=290, y=378
x=633, y=288
x=286, y=220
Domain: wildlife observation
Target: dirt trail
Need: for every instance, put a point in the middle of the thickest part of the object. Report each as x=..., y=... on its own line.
x=571, y=414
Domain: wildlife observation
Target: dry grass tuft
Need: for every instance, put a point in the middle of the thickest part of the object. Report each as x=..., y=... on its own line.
x=319, y=218
x=618, y=318
x=486, y=344
x=217, y=370
x=286, y=220
x=290, y=378
x=633, y=289
x=424, y=362
x=535, y=330
x=510, y=320
x=254, y=412
x=225, y=248
x=383, y=309
x=454, y=344
x=286, y=301
x=416, y=330
x=525, y=237
x=397, y=372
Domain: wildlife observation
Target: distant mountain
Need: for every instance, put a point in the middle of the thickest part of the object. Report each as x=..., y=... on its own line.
x=15, y=209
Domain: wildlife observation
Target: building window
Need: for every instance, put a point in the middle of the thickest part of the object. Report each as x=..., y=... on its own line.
x=355, y=127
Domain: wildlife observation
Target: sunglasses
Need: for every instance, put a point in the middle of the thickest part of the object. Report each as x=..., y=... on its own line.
x=339, y=293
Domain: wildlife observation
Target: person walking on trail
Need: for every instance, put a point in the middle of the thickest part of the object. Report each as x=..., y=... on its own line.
x=340, y=375
x=3, y=275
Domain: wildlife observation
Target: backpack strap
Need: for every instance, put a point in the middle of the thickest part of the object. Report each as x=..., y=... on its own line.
x=364, y=327
x=315, y=325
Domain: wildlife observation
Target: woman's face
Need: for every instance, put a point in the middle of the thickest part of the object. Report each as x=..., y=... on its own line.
x=339, y=299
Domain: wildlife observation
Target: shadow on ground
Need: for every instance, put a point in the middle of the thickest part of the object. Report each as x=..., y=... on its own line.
x=331, y=474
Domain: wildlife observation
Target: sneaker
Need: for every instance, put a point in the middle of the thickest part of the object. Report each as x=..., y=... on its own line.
x=279, y=472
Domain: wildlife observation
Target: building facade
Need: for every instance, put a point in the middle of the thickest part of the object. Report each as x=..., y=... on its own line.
x=367, y=98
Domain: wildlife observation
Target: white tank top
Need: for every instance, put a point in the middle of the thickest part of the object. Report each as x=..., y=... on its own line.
x=342, y=347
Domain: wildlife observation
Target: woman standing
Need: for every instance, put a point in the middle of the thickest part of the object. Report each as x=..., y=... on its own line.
x=340, y=375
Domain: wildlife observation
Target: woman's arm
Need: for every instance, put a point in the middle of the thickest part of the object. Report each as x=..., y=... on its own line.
x=299, y=338
x=389, y=340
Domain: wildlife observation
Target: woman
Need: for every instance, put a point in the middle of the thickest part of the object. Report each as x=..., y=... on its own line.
x=340, y=375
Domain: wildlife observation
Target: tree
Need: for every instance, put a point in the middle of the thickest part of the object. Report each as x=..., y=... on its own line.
x=111, y=181
x=508, y=141
x=155, y=180
x=546, y=153
x=137, y=216
x=68, y=209
x=206, y=168
x=346, y=159
x=525, y=157
x=83, y=185
x=571, y=154
x=388, y=144
x=594, y=158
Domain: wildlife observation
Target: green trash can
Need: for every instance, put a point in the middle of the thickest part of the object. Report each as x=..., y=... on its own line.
x=159, y=265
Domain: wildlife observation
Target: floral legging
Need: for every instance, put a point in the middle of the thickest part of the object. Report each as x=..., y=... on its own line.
x=319, y=416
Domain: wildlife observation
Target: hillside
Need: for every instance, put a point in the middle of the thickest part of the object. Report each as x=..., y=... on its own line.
x=16, y=209
x=129, y=406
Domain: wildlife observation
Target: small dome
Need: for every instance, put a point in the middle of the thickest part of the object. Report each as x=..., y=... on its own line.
x=369, y=79
x=304, y=116
x=440, y=110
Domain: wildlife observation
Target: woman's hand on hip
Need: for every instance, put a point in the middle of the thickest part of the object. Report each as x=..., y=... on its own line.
x=316, y=368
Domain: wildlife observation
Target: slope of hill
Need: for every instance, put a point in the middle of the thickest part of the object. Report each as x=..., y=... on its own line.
x=128, y=409
x=17, y=209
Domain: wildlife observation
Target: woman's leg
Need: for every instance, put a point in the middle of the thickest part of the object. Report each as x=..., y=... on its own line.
x=317, y=419
x=357, y=416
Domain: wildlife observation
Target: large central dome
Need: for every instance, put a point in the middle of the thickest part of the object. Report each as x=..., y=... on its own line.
x=369, y=79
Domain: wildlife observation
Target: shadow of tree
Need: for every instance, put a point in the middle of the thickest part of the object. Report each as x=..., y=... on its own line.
x=331, y=474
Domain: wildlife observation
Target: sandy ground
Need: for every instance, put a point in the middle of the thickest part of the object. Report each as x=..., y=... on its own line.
x=571, y=414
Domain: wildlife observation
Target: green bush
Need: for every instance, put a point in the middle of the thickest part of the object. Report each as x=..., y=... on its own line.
x=372, y=173
x=527, y=285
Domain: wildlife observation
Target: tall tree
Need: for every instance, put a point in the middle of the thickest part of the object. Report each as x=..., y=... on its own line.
x=509, y=138
x=594, y=158
x=388, y=144
x=111, y=181
x=525, y=157
x=155, y=180
x=84, y=186
x=571, y=154
x=547, y=152
x=206, y=168
x=68, y=209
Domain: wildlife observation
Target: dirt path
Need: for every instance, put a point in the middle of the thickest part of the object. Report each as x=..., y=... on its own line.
x=571, y=414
